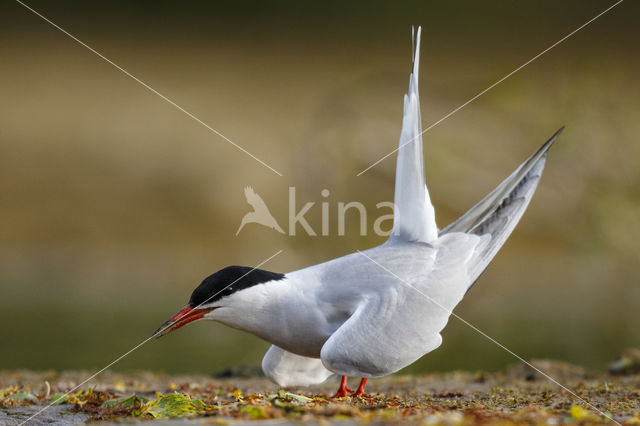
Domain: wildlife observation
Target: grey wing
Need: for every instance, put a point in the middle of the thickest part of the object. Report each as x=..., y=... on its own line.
x=395, y=326
x=499, y=212
x=287, y=369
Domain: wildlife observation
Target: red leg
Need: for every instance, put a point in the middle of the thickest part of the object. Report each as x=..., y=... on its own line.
x=343, y=389
x=360, y=390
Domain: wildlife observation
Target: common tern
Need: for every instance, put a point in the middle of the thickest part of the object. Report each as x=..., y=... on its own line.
x=370, y=313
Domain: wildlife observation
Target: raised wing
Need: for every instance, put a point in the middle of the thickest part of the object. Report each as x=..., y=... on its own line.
x=400, y=322
x=499, y=212
x=414, y=218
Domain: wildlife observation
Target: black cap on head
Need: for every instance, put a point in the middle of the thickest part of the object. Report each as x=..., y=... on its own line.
x=217, y=286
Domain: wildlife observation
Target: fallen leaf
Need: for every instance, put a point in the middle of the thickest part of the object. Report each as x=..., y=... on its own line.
x=299, y=398
x=173, y=405
x=579, y=413
x=132, y=400
x=59, y=398
x=23, y=396
x=255, y=411
x=4, y=393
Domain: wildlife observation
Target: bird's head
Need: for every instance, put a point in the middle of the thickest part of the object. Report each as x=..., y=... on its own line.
x=214, y=292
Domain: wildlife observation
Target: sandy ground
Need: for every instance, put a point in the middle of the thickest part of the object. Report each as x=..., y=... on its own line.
x=518, y=395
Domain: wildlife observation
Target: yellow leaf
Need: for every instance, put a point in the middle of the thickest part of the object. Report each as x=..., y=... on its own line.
x=8, y=391
x=254, y=411
x=579, y=413
x=173, y=405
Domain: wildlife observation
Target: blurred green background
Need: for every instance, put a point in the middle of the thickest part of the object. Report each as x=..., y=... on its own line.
x=114, y=204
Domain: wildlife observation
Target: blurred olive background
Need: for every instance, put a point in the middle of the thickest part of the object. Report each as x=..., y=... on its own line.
x=115, y=204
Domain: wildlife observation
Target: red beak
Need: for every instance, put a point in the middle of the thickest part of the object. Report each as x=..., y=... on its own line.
x=184, y=317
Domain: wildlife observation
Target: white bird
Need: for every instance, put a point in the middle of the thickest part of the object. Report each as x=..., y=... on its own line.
x=370, y=313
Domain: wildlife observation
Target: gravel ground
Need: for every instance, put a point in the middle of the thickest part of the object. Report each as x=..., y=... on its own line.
x=519, y=395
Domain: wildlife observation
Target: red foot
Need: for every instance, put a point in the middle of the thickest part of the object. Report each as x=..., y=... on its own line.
x=343, y=390
x=360, y=390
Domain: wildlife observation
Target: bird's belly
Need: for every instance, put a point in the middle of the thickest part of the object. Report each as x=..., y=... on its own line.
x=301, y=331
x=307, y=345
x=301, y=334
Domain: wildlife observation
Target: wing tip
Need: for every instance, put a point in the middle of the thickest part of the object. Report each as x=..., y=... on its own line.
x=473, y=216
x=553, y=138
x=416, y=49
x=544, y=149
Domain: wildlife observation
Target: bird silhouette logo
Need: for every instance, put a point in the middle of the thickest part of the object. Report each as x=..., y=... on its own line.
x=260, y=213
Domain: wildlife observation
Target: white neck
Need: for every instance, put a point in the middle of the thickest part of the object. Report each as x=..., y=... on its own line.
x=279, y=312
